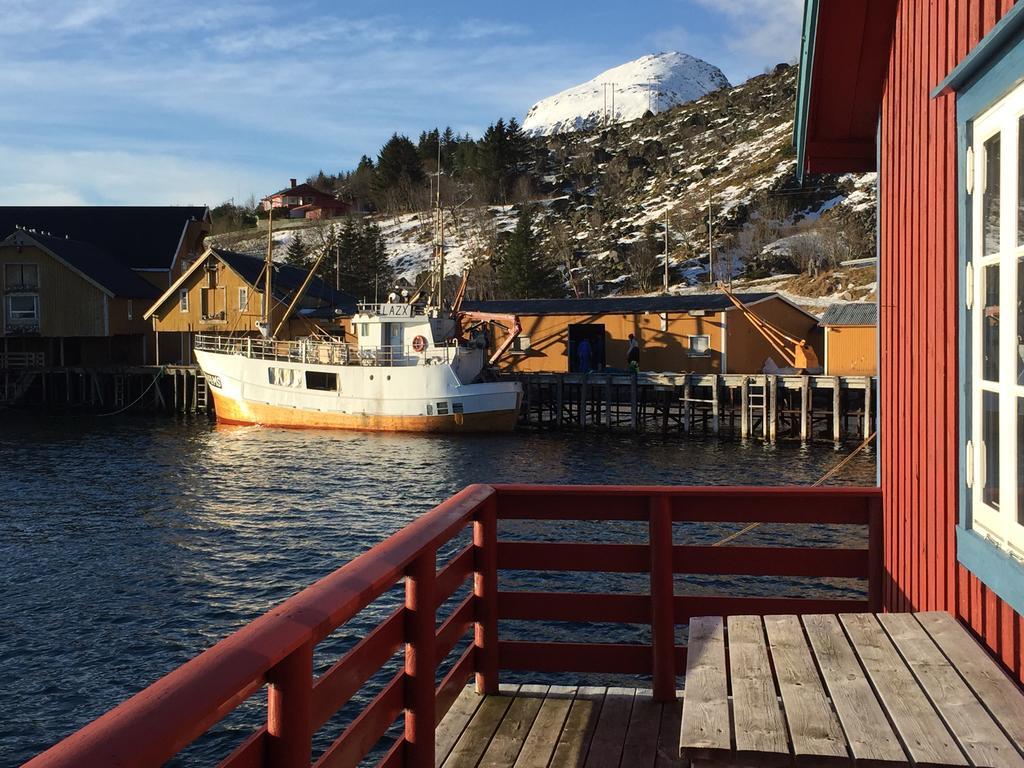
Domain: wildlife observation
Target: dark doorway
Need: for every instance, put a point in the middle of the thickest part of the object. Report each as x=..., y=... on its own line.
x=592, y=332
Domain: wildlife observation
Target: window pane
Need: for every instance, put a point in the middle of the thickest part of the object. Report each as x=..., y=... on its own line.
x=1020, y=181
x=1020, y=460
x=1020, y=321
x=990, y=198
x=990, y=323
x=990, y=448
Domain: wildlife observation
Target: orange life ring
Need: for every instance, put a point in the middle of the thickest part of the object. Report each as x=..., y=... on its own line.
x=419, y=343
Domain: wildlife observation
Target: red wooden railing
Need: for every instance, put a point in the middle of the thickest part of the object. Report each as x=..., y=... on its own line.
x=276, y=650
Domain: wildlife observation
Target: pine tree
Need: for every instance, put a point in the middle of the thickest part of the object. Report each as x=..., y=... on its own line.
x=524, y=273
x=399, y=171
x=297, y=254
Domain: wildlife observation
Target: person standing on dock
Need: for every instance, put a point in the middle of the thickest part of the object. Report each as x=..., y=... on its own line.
x=586, y=355
x=633, y=354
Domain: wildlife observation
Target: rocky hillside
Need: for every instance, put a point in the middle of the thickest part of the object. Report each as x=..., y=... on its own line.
x=601, y=199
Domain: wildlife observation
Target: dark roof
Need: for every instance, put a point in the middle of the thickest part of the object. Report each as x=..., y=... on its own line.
x=286, y=280
x=139, y=237
x=712, y=302
x=862, y=313
x=98, y=266
x=301, y=189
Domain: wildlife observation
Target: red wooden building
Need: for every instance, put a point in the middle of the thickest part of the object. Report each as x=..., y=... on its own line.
x=306, y=201
x=937, y=109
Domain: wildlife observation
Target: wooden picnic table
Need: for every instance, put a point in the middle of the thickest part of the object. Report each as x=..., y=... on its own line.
x=890, y=689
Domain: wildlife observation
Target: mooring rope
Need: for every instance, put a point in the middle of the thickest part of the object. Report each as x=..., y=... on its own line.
x=815, y=484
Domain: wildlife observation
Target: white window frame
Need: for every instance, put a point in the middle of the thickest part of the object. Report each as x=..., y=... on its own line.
x=999, y=525
x=183, y=299
x=691, y=352
x=243, y=298
x=23, y=319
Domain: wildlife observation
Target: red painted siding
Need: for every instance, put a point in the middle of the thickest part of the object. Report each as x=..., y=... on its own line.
x=918, y=329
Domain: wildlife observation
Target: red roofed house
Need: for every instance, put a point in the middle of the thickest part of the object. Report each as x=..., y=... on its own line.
x=304, y=201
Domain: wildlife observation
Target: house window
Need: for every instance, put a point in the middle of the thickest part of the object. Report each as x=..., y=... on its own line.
x=700, y=346
x=996, y=364
x=23, y=309
x=243, y=299
x=183, y=300
x=21, y=277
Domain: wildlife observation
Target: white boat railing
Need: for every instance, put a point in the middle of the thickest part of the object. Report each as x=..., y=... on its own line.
x=320, y=352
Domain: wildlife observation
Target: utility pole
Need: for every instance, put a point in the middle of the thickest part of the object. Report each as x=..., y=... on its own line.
x=666, y=251
x=711, y=247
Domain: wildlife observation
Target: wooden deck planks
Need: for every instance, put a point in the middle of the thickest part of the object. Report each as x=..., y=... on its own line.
x=868, y=732
x=991, y=685
x=924, y=735
x=508, y=740
x=668, y=735
x=813, y=727
x=476, y=737
x=574, y=741
x=454, y=723
x=975, y=731
x=547, y=727
x=757, y=718
x=705, y=729
x=641, y=745
x=609, y=737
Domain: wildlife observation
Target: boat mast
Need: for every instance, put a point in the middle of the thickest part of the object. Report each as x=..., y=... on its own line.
x=268, y=269
x=439, y=233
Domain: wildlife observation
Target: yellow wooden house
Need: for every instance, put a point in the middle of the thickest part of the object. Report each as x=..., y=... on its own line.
x=223, y=293
x=69, y=303
x=851, y=339
x=695, y=333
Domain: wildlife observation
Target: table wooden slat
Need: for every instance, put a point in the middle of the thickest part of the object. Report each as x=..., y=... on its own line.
x=705, y=729
x=610, y=735
x=973, y=728
x=755, y=706
x=990, y=684
x=543, y=737
x=813, y=726
x=868, y=732
x=924, y=735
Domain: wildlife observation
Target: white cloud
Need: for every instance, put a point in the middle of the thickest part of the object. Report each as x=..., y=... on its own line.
x=476, y=29
x=45, y=177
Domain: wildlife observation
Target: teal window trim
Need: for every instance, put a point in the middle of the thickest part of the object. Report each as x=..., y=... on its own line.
x=986, y=75
x=803, y=92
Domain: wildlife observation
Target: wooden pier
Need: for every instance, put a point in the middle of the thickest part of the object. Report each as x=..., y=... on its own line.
x=109, y=389
x=804, y=408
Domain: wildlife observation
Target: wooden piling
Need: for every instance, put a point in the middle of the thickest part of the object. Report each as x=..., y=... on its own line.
x=745, y=408
x=867, y=408
x=805, y=405
x=836, y=411
x=773, y=407
x=716, y=422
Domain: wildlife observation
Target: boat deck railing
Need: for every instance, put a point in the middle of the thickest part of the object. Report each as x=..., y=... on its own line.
x=319, y=352
x=276, y=650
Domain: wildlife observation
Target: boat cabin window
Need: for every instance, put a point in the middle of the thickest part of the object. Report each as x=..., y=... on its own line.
x=285, y=377
x=322, y=381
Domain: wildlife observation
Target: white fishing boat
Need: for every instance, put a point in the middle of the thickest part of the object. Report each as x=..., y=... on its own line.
x=407, y=373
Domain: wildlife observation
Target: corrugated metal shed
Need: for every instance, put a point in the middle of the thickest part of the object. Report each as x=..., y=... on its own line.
x=859, y=313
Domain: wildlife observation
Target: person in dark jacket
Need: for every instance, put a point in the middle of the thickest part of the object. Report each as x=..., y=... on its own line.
x=633, y=353
x=585, y=353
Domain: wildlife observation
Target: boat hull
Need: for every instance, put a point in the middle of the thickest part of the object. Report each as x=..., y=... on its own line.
x=420, y=398
x=230, y=411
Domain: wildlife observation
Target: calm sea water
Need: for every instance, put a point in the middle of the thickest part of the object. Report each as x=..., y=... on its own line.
x=129, y=545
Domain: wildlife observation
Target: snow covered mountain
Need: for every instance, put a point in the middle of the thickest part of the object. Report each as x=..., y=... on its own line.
x=657, y=83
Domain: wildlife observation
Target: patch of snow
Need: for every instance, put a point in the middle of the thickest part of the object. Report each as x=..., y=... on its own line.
x=657, y=82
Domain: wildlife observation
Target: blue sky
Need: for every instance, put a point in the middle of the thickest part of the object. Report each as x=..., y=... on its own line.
x=178, y=102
